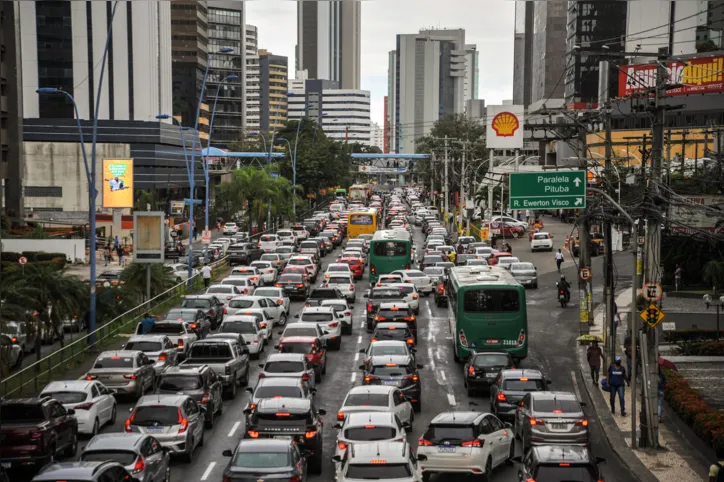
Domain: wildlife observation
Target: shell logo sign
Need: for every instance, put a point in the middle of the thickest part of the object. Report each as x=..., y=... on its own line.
x=504, y=126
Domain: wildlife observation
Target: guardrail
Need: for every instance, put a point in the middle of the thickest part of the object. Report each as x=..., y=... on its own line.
x=31, y=379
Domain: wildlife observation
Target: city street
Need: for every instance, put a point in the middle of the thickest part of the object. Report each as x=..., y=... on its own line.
x=552, y=336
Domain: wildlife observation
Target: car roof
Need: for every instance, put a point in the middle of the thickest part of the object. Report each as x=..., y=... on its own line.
x=514, y=374
x=561, y=453
x=453, y=418
x=67, y=385
x=284, y=404
x=554, y=396
x=184, y=370
x=170, y=399
x=279, y=381
x=239, y=319
x=123, y=353
x=274, y=357
x=263, y=445
x=116, y=441
x=203, y=296
x=391, y=452
x=298, y=339
x=381, y=360
x=388, y=343
x=147, y=338
x=317, y=309
x=374, y=389
x=369, y=418
x=71, y=470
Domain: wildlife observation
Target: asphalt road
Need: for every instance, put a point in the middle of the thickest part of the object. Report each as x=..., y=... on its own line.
x=552, y=338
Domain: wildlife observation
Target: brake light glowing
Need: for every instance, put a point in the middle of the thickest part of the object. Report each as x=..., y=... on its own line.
x=305, y=377
x=130, y=377
x=523, y=379
x=536, y=422
x=283, y=414
x=310, y=434
x=471, y=370
x=582, y=423
x=422, y=442
x=413, y=378
x=91, y=377
x=463, y=340
x=369, y=378
x=253, y=434
x=183, y=422
x=369, y=307
x=340, y=415
x=205, y=399
x=410, y=341
x=14, y=339
x=473, y=443
x=342, y=446
x=557, y=411
x=390, y=364
x=180, y=342
x=140, y=465
x=501, y=397
x=378, y=462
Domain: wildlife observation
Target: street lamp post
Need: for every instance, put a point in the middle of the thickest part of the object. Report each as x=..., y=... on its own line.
x=294, y=161
x=294, y=172
x=717, y=303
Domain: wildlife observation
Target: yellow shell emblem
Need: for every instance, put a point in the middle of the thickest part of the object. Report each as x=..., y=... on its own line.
x=505, y=124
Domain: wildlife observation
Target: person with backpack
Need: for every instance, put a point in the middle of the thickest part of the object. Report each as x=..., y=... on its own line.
x=617, y=378
x=716, y=471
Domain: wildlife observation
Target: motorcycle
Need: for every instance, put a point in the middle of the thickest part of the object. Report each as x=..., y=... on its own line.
x=563, y=295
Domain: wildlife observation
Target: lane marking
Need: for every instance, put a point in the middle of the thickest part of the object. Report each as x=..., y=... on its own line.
x=354, y=376
x=442, y=375
x=233, y=429
x=208, y=471
x=451, y=399
x=437, y=354
x=575, y=386
x=429, y=310
x=356, y=356
x=359, y=339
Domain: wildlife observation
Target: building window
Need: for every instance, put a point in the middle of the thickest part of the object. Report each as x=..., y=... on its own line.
x=55, y=57
x=43, y=191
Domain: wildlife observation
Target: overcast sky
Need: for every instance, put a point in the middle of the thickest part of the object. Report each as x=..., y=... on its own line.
x=487, y=23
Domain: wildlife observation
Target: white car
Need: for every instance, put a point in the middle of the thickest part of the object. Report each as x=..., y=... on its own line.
x=377, y=398
x=307, y=262
x=542, y=241
x=267, y=316
x=485, y=252
x=410, y=295
x=94, y=404
x=337, y=268
x=344, y=311
x=246, y=287
x=507, y=261
x=276, y=312
x=250, y=329
x=224, y=292
x=344, y=283
x=276, y=294
x=509, y=220
x=267, y=271
x=252, y=273
x=19, y=334
x=269, y=242
x=277, y=259
x=287, y=235
x=362, y=462
x=466, y=443
x=180, y=271
x=220, y=247
x=368, y=427
x=388, y=279
x=230, y=229
x=328, y=321
x=422, y=282
x=300, y=232
x=309, y=247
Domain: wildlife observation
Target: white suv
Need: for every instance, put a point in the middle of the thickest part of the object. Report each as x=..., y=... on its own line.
x=344, y=283
x=230, y=229
x=328, y=321
x=384, y=460
x=368, y=427
x=269, y=242
x=409, y=295
x=287, y=235
x=344, y=311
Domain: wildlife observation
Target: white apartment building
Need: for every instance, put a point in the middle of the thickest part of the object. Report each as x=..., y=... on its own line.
x=378, y=136
x=252, y=79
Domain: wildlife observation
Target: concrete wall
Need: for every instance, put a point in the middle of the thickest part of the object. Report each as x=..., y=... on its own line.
x=73, y=248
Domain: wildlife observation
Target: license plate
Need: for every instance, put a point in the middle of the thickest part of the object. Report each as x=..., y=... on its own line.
x=492, y=342
x=282, y=437
x=390, y=382
x=154, y=429
x=490, y=375
x=5, y=465
x=557, y=426
x=447, y=450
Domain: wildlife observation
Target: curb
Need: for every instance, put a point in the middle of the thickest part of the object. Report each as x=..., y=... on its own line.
x=613, y=435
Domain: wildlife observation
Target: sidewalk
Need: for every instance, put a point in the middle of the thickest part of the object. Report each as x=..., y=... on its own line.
x=676, y=460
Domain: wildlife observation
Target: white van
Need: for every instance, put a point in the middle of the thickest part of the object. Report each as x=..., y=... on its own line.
x=269, y=242
x=309, y=247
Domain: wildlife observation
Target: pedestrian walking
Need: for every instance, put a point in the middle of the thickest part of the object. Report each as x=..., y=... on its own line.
x=107, y=254
x=559, y=259
x=120, y=253
x=594, y=355
x=196, y=232
x=617, y=378
x=206, y=275
x=508, y=248
x=716, y=471
x=677, y=278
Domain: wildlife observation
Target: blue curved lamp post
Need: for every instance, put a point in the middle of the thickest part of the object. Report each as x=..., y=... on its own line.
x=294, y=175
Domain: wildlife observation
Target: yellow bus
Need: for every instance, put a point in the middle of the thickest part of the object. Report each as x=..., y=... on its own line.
x=361, y=223
x=358, y=193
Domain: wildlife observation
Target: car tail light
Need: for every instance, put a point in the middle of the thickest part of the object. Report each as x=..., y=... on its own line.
x=373, y=269
x=140, y=465
x=410, y=341
x=409, y=318
x=340, y=415
x=305, y=377
x=36, y=435
x=351, y=287
x=501, y=397
x=130, y=377
x=162, y=357
x=180, y=343
x=582, y=423
x=341, y=446
x=473, y=443
x=471, y=370
x=253, y=434
x=347, y=313
x=310, y=434
x=226, y=312
x=259, y=245
x=369, y=307
x=91, y=377
x=14, y=339
x=205, y=399
x=183, y=422
x=261, y=375
x=262, y=325
x=413, y=378
x=521, y=338
x=536, y=422
x=280, y=302
x=129, y=421
x=414, y=297
x=295, y=478
x=334, y=324
x=463, y=340
x=370, y=378
x=424, y=443
x=300, y=285
x=84, y=406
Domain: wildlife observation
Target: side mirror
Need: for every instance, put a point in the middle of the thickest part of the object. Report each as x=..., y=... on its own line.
x=422, y=457
x=406, y=425
x=362, y=350
x=261, y=365
x=322, y=411
x=297, y=316
x=517, y=459
x=338, y=426
x=361, y=367
x=246, y=411
x=521, y=404
x=508, y=425
x=148, y=362
x=365, y=295
x=337, y=459
x=306, y=453
x=280, y=333
x=420, y=366
x=549, y=382
x=130, y=410
x=248, y=343
x=203, y=408
x=408, y=399
x=276, y=347
x=123, y=346
x=583, y=404
x=227, y=453
x=249, y=390
x=312, y=390
x=70, y=411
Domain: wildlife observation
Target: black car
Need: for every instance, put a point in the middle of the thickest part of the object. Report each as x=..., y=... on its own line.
x=200, y=383
x=209, y=304
x=482, y=369
x=294, y=285
x=559, y=462
x=318, y=294
x=289, y=417
x=397, y=312
x=398, y=370
x=311, y=226
x=195, y=318
x=377, y=296
x=510, y=387
x=281, y=459
x=243, y=253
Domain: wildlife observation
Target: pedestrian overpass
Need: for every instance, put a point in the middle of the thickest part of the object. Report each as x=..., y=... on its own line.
x=383, y=165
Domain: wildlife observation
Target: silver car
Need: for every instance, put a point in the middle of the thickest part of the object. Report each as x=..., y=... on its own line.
x=158, y=348
x=548, y=418
x=11, y=352
x=142, y=455
x=293, y=365
x=525, y=273
x=127, y=372
x=176, y=421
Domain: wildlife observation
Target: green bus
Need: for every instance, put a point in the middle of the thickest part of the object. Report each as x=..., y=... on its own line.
x=389, y=250
x=340, y=194
x=486, y=311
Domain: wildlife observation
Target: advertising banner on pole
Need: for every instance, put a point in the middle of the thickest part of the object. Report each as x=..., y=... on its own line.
x=695, y=76
x=117, y=183
x=504, y=126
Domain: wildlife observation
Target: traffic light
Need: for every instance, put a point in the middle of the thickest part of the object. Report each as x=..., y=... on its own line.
x=652, y=315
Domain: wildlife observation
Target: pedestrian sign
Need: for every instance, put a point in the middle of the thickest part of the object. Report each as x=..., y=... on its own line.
x=652, y=292
x=206, y=236
x=585, y=274
x=652, y=315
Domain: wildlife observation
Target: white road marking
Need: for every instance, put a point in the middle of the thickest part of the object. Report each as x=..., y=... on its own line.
x=363, y=324
x=429, y=310
x=575, y=386
x=354, y=376
x=451, y=399
x=208, y=471
x=437, y=354
x=359, y=339
x=442, y=375
x=233, y=429
x=356, y=356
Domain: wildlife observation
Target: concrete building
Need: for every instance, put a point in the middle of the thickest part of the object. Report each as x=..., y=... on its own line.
x=475, y=109
x=522, y=52
x=227, y=29
x=548, y=57
x=472, y=74
x=190, y=51
x=426, y=81
x=11, y=114
x=328, y=41
x=251, y=81
x=378, y=137
x=273, y=80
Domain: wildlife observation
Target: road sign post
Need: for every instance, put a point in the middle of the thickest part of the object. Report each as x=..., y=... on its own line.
x=548, y=190
x=23, y=261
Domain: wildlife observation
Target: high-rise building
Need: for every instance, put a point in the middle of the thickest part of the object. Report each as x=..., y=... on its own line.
x=386, y=127
x=328, y=41
x=11, y=114
x=251, y=81
x=190, y=44
x=596, y=23
x=472, y=77
x=227, y=29
x=548, y=57
x=378, y=137
x=522, y=52
x=426, y=81
x=273, y=80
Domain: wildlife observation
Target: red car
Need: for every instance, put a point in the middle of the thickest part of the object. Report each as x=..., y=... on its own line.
x=356, y=265
x=311, y=347
x=493, y=260
x=507, y=230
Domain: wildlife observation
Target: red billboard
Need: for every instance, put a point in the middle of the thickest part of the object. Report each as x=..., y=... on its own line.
x=698, y=76
x=386, y=131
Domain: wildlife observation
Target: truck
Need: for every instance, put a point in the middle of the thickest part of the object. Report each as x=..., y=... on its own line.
x=226, y=357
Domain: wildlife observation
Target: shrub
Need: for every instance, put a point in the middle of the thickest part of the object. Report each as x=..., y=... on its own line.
x=707, y=423
x=10, y=257
x=701, y=348
x=689, y=335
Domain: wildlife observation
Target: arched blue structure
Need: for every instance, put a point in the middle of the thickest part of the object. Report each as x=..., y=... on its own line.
x=379, y=164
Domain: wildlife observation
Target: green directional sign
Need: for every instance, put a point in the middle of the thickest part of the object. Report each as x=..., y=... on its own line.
x=548, y=190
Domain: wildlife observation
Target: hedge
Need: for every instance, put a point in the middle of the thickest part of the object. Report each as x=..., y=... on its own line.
x=15, y=267
x=706, y=422
x=33, y=256
x=689, y=335
x=702, y=348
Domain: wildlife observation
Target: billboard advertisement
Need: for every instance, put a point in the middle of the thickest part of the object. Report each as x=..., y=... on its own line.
x=368, y=169
x=117, y=183
x=504, y=127
x=697, y=213
x=148, y=236
x=698, y=76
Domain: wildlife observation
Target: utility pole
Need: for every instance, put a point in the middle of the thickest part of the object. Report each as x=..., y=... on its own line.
x=432, y=178
x=584, y=254
x=491, y=187
x=446, y=192
x=462, y=191
x=609, y=324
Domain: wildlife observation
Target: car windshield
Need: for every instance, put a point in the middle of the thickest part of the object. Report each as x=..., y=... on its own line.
x=243, y=327
x=196, y=303
x=367, y=400
x=491, y=300
x=304, y=348
x=12, y=329
x=114, y=362
x=300, y=331
x=241, y=304
x=317, y=317
x=64, y=397
x=261, y=264
x=268, y=238
x=284, y=250
x=453, y=434
x=555, y=473
x=491, y=360
x=284, y=419
x=167, y=329
x=278, y=392
x=436, y=258
x=397, y=313
x=557, y=406
x=261, y=460
x=180, y=382
x=369, y=433
x=541, y=236
x=284, y=367
x=522, y=267
x=523, y=385
x=147, y=415
x=123, y=457
x=268, y=257
x=270, y=292
x=299, y=262
x=378, y=471
x=386, y=293
x=434, y=271
x=381, y=350
x=344, y=269
x=391, y=334
x=224, y=290
x=338, y=281
x=145, y=346
x=235, y=281
x=390, y=371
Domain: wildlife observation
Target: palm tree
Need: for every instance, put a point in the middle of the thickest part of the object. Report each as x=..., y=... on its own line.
x=253, y=185
x=135, y=279
x=714, y=273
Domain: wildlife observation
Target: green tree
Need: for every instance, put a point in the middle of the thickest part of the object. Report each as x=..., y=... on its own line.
x=135, y=280
x=714, y=274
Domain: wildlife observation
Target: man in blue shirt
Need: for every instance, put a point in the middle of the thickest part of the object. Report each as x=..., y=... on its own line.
x=617, y=378
x=147, y=323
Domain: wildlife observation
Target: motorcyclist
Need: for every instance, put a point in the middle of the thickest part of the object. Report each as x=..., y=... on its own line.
x=566, y=286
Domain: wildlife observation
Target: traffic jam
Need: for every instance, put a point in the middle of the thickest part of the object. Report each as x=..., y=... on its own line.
x=365, y=343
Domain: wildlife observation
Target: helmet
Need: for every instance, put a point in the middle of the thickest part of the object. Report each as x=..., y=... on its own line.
x=563, y=277
x=618, y=358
